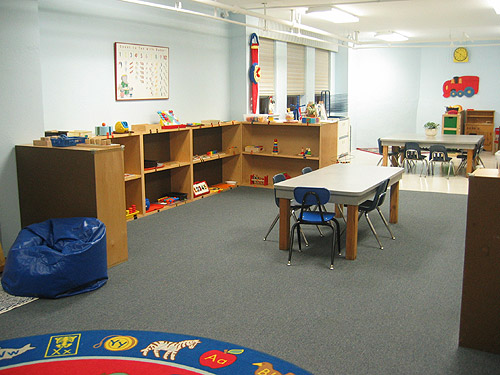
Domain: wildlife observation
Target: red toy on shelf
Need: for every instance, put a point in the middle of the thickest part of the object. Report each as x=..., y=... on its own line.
x=256, y=180
x=200, y=188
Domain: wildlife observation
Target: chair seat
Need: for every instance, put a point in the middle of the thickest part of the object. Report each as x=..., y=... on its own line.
x=314, y=217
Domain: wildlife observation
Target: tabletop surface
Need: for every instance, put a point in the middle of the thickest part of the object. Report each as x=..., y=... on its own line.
x=465, y=141
x=342, y=179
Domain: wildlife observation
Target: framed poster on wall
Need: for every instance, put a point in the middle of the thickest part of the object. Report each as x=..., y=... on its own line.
x=141, y=72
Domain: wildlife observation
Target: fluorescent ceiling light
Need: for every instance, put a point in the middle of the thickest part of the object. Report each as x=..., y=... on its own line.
x=391, y=36
x=331, y=14
x=496, y=5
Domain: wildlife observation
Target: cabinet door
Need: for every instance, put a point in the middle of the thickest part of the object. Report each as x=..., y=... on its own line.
x=484, y=130
x=450, y=125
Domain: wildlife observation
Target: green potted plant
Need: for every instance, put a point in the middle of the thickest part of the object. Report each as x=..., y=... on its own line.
x=431, y=128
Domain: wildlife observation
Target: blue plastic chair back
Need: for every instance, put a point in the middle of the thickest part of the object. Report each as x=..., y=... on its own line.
x=278, y=178
x=308, y=196
x=377, y=200
x=413, y=151
x=305, y=196
x=438, y=153
x=306, y=170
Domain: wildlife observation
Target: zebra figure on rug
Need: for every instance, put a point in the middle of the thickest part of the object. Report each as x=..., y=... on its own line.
x=171, y=348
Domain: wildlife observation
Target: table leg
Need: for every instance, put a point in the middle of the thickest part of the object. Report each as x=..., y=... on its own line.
x=385, y=155
x=284, y=241
x=396, y=159
x=394, y=207
x=470, y=161
x=351, y=247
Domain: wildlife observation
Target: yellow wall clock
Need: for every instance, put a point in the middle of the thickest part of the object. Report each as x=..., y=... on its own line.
x=461, y=54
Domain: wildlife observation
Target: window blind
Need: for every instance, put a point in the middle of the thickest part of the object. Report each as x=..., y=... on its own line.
x=266, y=63
x=322, y=67
x=296, y=63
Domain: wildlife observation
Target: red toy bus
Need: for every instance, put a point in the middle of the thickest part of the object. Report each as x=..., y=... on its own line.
x=460, y=86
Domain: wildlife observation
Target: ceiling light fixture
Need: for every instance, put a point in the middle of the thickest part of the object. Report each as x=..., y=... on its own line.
x=496, y=5
x=391, y=36
x=331, y=14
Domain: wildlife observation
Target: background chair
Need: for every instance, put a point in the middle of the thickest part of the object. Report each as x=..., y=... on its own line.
x=439, y=154
x=412, y=155
x=392, y=155
x=293, y=207
x=319, y=197
x=476, y=157
x=374, y=204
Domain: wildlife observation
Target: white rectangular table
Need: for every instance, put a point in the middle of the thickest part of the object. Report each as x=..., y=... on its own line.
x=349, y=185
x=456, y=141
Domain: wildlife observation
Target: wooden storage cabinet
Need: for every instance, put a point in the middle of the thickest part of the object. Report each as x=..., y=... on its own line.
x=480, y=311
x=56, y=182
x=172, y=150
x=453, y=124
x=292, y=139
x=481, y=122
x=133, y=169
x=224, y=164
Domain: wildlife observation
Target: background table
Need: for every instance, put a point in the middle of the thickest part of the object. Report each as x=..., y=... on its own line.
x=455, y=141
x=349, y=185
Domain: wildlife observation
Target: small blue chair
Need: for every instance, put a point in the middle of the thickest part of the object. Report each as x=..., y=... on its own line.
x=307, y=197
x=439, y=154
x=392, y=156
x=294, y=206
x=374, y=204
x=412, y=155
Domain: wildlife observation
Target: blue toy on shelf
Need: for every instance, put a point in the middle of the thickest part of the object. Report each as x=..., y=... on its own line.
x=65, y=141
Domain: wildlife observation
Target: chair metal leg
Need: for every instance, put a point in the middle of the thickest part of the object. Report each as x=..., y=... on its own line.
x=480, y=161
x=276, y=220
x=301, y=231
x=291, y=245
x=373, y=230
x=298, y=238
x=341, y=211
x=386, y=223
x=337, y=235
x=451, y=167
x=272, y=226
x=426, y=168
x=333, y=249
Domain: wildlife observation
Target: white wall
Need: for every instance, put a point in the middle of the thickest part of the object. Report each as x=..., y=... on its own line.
x=57, y=72
x=78, y=67
x=383, y=93
x=20, y=102
x=437, y=66
x=398, y=90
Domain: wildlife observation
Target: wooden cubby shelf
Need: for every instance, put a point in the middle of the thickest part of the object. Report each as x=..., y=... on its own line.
x=264, y=154
x=176, y=150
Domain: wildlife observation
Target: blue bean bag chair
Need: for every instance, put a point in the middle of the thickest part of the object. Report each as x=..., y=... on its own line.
x=57, y=258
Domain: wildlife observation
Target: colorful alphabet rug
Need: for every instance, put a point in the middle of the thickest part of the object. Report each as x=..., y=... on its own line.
x=134, y=352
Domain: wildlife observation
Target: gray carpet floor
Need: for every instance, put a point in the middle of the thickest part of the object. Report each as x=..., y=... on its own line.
x=203, y=269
